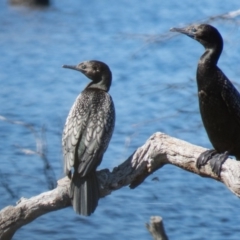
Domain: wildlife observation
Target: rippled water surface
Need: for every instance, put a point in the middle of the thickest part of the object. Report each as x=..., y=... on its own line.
x=153, y=89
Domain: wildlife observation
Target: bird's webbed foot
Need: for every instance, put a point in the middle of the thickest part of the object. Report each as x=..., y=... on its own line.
x=217, y=161
x=205, y=157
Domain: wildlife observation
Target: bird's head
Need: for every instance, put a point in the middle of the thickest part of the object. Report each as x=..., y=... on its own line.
x=206, y=34
x=97, y=71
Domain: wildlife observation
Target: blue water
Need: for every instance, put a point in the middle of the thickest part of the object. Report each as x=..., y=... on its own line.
x=152, y=83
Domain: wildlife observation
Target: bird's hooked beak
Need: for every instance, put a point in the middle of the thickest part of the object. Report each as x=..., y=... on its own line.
x=74, y=67
x=71, y=67
x=189, y=31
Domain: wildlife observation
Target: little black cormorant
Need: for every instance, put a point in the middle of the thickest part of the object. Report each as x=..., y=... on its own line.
x=86, y=135
x=219, y=101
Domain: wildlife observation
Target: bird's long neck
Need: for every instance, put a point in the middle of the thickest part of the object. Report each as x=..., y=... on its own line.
x=212, y=51
x=104, y=84
x=207, y=67
x=211, y=55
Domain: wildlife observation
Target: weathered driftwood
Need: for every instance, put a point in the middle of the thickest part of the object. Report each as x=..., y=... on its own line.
x=156, y=228
x=160, y=149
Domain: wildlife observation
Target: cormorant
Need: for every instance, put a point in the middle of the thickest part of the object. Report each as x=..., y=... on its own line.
x=219, y=101
x=87, y=132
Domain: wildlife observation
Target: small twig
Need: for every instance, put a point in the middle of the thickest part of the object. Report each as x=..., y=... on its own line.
x=41, y=149
x=5, y=184
x=48, y=170
x=149, y=39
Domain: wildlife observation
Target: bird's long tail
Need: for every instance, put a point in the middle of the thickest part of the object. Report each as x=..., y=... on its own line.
x=84, y=192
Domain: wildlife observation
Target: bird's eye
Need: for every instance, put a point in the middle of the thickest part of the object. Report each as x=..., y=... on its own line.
x=83, y=66
x=194, y=30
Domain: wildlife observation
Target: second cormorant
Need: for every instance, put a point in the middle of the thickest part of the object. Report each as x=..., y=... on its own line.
x=86, y=135
x=219, y=101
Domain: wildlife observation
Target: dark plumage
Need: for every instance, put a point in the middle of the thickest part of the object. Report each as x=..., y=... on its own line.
x=219, y=101
x=87, y=132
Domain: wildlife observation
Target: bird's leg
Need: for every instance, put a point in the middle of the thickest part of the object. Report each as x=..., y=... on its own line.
x=205, y=157
x=217, y=161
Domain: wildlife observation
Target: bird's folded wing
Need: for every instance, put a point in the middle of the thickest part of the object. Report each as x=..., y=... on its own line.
x=231, y=97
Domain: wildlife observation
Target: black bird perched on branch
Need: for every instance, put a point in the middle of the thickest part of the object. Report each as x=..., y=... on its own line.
x=87, y=132
x=219, y=101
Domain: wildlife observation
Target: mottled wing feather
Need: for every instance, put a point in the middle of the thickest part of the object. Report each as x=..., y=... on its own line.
x=87, y=131
x=98, y=135
x=75, y=124
x=231, y=97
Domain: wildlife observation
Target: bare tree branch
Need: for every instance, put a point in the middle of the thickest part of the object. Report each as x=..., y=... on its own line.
x=160, y=149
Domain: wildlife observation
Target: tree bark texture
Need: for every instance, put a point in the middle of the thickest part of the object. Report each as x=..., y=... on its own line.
x=159, y=149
